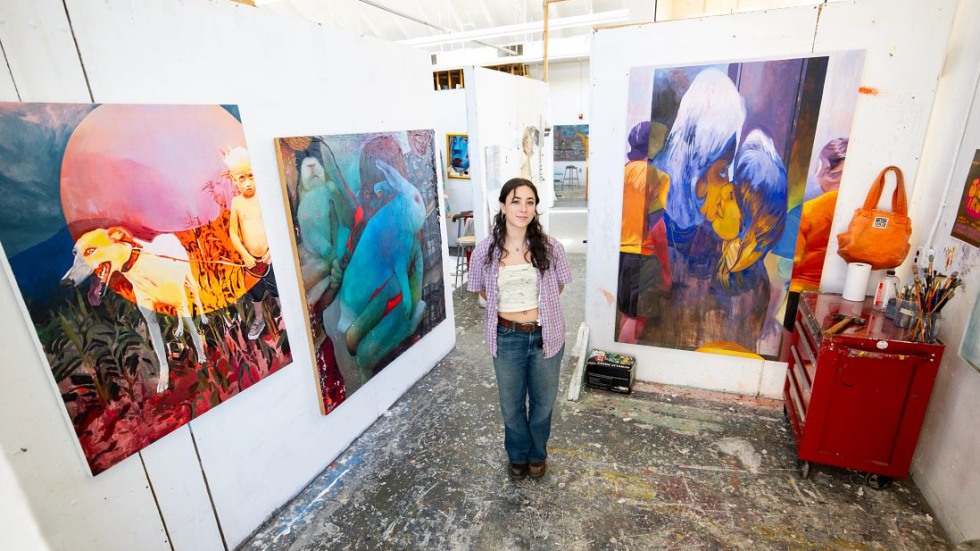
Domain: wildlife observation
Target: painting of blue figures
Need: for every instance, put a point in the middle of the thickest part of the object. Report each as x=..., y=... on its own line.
x=458, y=148
x=571, y=142
x=365, y=215
x=730, y=185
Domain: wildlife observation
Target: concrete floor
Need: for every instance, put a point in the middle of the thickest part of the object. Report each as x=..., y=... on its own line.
x=664, y=468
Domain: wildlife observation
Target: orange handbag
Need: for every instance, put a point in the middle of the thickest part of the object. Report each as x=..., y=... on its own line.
x=879, y=237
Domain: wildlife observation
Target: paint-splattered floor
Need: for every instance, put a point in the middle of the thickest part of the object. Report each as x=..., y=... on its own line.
x=665, y=468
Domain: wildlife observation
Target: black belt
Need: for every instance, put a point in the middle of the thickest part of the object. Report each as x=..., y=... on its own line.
x=528, y=327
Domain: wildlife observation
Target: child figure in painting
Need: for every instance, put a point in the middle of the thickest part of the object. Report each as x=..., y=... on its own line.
x=817, y=216
x=248, y=235
x=644, y=264
x=521, y=272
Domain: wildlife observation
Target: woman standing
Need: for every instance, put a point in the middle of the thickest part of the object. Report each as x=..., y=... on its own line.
x=520, y=272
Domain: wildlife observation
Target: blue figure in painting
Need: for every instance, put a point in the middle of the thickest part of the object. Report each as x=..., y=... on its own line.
x=382, y=305
x=325, y=216
x=698, y=155
x=760, y=195
x=459, y=155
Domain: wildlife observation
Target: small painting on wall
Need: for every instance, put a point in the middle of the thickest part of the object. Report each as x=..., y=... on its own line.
x=571, y=142
x=365, y=216
x=458, y=151
x=967, y=224
x=731, y=171
x=531, y=154
x=136, y=239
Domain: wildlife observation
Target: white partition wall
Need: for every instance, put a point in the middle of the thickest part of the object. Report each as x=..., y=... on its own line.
x=500, y=107
x=905, y=44
x=945, y=463
x=211, y=483
x=944, y=466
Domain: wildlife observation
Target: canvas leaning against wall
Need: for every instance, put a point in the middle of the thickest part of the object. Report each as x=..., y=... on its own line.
x=137, y=243
x=726, y=165
x=365, y=215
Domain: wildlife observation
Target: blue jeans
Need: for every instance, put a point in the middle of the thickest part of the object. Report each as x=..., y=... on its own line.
x=528, y=384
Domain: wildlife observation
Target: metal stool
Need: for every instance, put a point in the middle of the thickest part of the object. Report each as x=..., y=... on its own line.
x=570, y=175
x=467, y=243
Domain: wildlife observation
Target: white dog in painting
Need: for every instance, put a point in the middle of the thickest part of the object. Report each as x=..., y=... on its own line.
x=159, y=271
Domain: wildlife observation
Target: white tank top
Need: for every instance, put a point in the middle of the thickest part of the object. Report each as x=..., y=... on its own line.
x=517, y=288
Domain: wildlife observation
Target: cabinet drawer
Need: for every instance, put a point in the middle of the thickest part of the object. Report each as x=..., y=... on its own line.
x=801, y=378
x=796, y=397
x=805, y=355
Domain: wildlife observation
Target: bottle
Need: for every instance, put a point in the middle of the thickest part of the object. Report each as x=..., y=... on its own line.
x=887, y=287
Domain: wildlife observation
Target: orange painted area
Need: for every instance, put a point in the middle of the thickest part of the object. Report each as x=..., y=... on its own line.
x=610, y=298
x=868, y=91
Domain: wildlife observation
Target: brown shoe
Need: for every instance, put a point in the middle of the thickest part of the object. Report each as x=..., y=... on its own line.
x=517, y=471
x=537, y=469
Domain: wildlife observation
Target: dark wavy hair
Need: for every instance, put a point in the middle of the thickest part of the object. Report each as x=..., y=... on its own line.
x=537, y=241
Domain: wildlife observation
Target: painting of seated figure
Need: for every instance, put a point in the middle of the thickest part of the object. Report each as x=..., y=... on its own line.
x=365, y=215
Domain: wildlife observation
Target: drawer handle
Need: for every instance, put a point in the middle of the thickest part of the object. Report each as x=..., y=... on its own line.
x=872, y=355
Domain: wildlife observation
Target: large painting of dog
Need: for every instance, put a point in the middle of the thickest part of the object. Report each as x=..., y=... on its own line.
x=726, y=166
x=365, y=214
x=135, y=237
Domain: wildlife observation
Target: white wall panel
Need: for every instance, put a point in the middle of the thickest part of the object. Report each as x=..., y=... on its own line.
x=945, y=463
x=8, y=92
x=18, y=529
x=179, y=486
x=40, y=50
x=569, y=89
x=906, y=47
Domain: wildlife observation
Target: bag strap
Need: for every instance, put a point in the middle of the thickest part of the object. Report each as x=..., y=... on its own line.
x=899, y=204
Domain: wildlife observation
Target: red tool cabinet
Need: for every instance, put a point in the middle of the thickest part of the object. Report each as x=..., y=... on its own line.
x=856, y=399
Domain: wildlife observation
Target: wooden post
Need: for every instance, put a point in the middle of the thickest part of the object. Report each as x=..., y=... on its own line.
x=547, y=3
x=545, y=39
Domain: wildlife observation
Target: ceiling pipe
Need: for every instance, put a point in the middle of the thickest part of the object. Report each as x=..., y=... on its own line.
x=414, y=19
x=602, y=18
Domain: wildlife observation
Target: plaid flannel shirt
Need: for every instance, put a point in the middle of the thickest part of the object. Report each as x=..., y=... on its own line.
x=483, y=277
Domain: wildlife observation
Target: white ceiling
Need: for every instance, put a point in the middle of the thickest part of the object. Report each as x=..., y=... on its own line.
x=515, y=21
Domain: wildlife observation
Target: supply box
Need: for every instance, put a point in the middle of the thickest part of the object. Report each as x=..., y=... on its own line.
x=609, y=371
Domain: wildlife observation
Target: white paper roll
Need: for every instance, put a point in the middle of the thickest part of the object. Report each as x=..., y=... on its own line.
x=856, y=282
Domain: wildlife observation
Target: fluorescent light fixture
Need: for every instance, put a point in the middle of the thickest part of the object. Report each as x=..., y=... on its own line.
x=603, y=18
